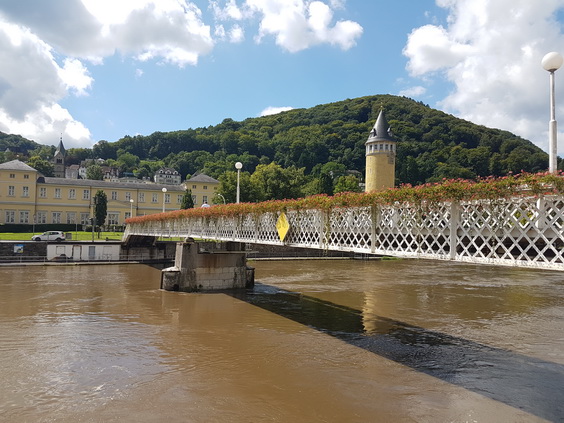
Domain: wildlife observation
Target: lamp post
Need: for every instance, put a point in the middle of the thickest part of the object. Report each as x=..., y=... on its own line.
x=551, y=62
x=164, y=190
x=131, y=209
x=238, y=166
x=222, y=197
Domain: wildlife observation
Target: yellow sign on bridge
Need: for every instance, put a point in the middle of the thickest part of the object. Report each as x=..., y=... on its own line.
x=282, y=226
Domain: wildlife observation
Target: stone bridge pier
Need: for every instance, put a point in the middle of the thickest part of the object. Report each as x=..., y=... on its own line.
x=205, y=266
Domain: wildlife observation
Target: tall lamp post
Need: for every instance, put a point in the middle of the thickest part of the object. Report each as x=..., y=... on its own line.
x=551, y=62
x=131, y=209
x=238, y=166
x=164, y=190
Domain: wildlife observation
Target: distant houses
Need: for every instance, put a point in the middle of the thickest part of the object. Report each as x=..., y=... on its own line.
x=28, y=197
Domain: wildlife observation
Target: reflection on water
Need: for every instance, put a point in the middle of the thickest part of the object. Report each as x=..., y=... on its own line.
x=515, y=379
x=315, y=341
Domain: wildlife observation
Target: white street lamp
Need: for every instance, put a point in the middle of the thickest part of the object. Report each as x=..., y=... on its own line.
x=164, y=190
x=222, y=197
x=131, y=209
x=238, y=166
x=551, y=62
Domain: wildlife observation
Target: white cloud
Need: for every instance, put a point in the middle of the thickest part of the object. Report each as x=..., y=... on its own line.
x=230, y=12
x=172, y=30
x=274, y=110
x=490, y=52
x=300, y=24
x=32, y=83
x=413, y=92
x=236, y=35
x=45, y=47
x=75, y=76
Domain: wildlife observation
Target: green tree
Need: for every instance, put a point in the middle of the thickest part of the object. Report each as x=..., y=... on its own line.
x=187, y=201
x=277, y=183
x=94, y=171
x=347, y=183
x=100, y=207
x=228, y=187
x=42, y=166
x=127, y=162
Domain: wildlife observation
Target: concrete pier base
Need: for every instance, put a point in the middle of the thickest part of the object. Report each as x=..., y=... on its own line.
x=205, y=266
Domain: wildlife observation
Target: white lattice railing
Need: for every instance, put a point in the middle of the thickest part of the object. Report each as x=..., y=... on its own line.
x=520, y=231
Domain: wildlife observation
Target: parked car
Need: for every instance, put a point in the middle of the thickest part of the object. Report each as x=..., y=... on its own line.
x=49, y=236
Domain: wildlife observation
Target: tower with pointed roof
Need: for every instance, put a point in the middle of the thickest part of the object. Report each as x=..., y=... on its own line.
x=380, y=156
x=59, y=160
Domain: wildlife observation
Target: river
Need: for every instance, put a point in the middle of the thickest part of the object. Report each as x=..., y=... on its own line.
x=315, y=341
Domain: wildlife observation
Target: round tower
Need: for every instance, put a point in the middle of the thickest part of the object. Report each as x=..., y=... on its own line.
x=380, y=156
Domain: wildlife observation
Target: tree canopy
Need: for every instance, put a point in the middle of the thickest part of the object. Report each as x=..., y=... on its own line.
x=308, y=151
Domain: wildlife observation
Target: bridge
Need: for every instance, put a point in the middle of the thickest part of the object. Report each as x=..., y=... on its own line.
x=515, y=221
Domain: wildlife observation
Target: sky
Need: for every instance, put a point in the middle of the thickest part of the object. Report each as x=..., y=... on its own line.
x=91, y=70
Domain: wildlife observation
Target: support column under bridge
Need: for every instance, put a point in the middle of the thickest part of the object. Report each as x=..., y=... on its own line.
x=204, y=266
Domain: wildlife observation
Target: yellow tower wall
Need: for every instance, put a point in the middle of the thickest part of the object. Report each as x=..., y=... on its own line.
x=380, y=171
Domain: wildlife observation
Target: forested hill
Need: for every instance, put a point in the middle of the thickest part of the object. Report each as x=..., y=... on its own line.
x=16, y=142
x=432, y=145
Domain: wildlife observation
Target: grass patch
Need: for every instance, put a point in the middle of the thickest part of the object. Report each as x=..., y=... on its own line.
x=76, y=236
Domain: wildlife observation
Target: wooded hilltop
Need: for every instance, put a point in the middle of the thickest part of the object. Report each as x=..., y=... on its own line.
x=315, y=150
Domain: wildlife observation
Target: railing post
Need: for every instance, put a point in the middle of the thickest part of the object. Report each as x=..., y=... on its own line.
x=454, y=222
x=322, y=224
x=540, y=224
x=374, y=221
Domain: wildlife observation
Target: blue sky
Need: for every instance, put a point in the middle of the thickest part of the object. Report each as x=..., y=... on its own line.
x=99, y=69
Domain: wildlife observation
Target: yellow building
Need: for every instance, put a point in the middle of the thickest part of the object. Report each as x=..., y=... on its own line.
x=204, y=190
x=380, y=156
x=27, y=197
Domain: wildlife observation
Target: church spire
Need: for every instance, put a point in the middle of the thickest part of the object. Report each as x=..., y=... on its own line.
x=61, y=148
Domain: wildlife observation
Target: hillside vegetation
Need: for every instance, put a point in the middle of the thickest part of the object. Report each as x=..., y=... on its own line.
x=432, y=144
x=319, y=146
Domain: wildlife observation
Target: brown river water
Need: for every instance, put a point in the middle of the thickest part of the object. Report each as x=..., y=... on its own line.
x=315, y=341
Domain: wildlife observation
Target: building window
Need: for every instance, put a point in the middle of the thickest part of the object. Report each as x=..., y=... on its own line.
x=127, y=196
x=205, y=198
x=141, y=197
x=205, y=187
x=72, y=194
x=194, y=199
x=167, y=198
x=193, y=186
x=57, y=195
x=25, y=191
x=26, y=176
x=41, y=217
x=127, y=215
x=12, y=175
x=179, y=199
x=84, y=218
x=43, y=192
x=10, y=216
x=56, y=217
x=86, y=194
x=113, y=218
x=155, y=198
x=71, y=217
x=11, y=191
x=24, y=217
x=114, y=195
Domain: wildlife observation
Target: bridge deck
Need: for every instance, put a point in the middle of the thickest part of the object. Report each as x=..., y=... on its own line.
x=519, y=231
